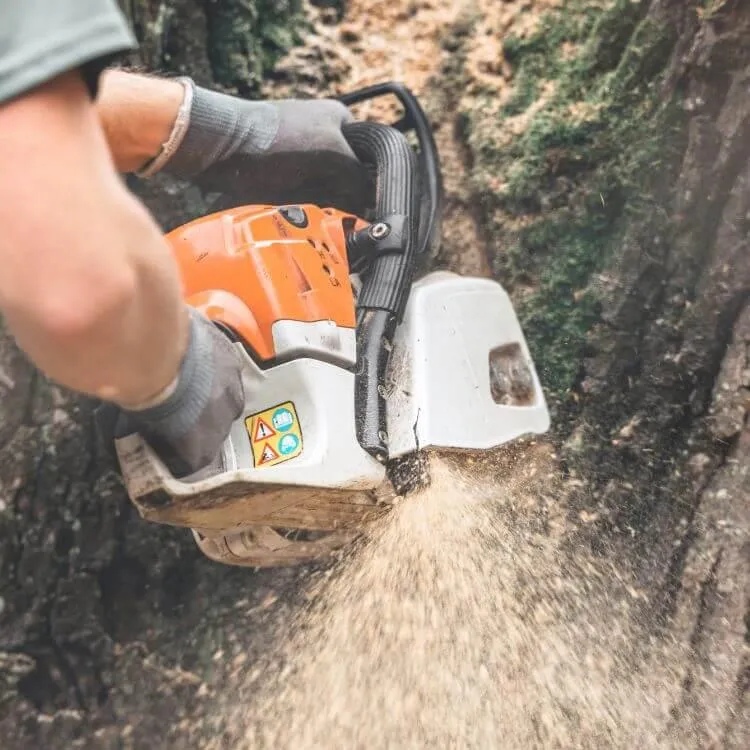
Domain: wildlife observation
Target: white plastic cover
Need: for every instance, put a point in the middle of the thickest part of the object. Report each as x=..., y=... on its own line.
x=461, y=373
x=322, y=394
x=462, y=378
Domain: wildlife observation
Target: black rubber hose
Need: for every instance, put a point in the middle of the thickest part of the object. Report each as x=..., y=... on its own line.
x=386, y=284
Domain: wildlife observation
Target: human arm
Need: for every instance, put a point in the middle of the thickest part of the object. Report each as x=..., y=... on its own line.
x=88, y=286
x=137, y=113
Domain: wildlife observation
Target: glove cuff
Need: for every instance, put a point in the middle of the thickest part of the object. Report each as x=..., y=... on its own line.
x=175, y=415
x=179, y=128
x=220, y=126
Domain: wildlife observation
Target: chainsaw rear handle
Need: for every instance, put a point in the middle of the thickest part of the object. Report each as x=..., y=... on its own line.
x=408, y=196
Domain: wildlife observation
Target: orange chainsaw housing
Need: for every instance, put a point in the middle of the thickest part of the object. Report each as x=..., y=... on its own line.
x=249, y=267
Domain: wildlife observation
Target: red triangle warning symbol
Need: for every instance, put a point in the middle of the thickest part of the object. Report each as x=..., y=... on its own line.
x=262, y=431
x=267, y=455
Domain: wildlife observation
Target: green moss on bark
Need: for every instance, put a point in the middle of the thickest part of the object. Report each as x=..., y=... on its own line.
x=556, y=197
x=247, y=37
x=232, y=43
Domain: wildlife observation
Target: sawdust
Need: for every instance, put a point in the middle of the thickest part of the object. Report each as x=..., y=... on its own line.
x=461, y=623
x=486, y=65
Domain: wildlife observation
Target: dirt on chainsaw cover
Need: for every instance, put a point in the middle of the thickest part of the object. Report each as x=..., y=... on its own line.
x=462, y=622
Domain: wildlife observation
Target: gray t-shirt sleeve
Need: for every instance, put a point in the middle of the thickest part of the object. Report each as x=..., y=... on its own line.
x=40, y=39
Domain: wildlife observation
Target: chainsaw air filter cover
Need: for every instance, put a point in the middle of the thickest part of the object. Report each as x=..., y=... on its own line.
x=265, y=273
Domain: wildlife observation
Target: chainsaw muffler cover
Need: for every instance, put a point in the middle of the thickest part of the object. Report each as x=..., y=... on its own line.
x=461, y=373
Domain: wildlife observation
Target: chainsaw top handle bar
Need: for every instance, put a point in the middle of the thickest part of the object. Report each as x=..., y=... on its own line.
x=408, y=202
x=414, y=120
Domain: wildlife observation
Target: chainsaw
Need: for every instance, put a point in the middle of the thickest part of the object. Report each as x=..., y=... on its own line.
x=358, y=362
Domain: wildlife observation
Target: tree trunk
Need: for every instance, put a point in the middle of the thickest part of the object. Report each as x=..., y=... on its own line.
x=611, y=185
x=604, y=174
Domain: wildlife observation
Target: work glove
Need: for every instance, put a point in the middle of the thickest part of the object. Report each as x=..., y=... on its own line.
x=188, y=428
x=285, y=151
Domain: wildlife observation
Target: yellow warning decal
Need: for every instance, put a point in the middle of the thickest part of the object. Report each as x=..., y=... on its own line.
x=275, y=435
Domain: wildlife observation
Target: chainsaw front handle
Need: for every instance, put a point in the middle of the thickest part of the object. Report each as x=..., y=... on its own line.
x=393, y=234
x=387, y=279
x=408, y=200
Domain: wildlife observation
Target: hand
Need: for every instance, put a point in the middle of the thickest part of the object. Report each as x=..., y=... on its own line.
x=287, y=151
x=187, y=429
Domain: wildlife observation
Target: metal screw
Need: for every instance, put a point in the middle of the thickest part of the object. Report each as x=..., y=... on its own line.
x=379, y=230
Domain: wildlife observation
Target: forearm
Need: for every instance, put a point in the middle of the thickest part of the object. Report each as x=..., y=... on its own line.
x=89, y=288
x=137, y=113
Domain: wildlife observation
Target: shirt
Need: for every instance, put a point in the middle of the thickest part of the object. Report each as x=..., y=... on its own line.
x=41, y=39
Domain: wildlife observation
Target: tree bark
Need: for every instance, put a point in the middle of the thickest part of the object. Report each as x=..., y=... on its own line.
x=649, y=257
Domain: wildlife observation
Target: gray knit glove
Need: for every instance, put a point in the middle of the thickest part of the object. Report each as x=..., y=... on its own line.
x=285, y=151
x=188, y=429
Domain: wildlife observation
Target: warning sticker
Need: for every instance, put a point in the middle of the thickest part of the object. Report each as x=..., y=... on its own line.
x=262, y=431
x=275, y=434
x=267, y=454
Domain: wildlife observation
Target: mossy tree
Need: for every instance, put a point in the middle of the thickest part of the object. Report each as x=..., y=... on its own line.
x=612, y=192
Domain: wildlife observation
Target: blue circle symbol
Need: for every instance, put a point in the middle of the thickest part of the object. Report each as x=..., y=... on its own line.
x=288, y=444
x=282, y=419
